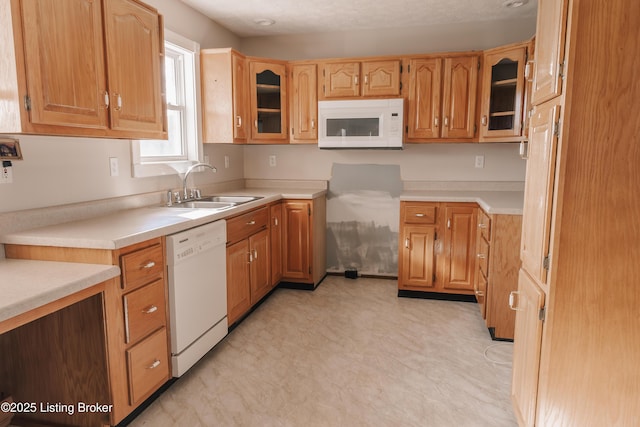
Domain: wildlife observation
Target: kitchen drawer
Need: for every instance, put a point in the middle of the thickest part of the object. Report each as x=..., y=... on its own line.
x=419, y=213
x=142, y=266
x=483, y=257
x=144, y=311
x=245, y=225
x=147, y=365
x=484, y=224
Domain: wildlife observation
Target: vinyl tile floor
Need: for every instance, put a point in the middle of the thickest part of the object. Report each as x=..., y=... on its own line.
x=350, y=353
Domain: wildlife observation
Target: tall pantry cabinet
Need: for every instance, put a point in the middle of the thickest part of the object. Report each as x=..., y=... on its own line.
x=576, y=348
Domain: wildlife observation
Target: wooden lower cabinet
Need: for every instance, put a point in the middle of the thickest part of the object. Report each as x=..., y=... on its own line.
x=530, y=299
x=497, y=265
x=304, y=241
x=248, y=262
x=137, y=342
x=437, y=247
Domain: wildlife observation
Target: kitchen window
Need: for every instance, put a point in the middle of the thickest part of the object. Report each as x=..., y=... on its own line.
x=184, y=146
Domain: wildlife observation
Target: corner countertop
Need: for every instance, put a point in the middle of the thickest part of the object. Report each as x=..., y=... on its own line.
x=492, y=202
x=128, y=227
x=27, y=285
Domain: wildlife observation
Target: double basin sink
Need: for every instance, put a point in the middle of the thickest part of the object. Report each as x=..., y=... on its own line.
x=216, y=202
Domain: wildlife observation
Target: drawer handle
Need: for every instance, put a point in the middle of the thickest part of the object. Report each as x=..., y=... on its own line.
x=420, y=215
x=252, y=222
x=149, y=264
x=480, y=293
x=150, y=310
x=275, y=221
x=154, y=365
x=255, y=254
x=482, y=256
x=406, y=243
x=481, y=225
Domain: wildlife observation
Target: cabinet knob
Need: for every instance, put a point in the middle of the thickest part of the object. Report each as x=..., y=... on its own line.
x=154, y=365
x=255, y=254
x=420, y=215
x=150, y=310
x=313, y=124
x=446, y=121
x=238, y=121
x=406, y=243
x=106, y=99
x=366, y=79
x=481, y=256
x=355, y=80
x=481, y=225
x=435, y=121
x=118, y=101
x=253, y=221
x=484, y=120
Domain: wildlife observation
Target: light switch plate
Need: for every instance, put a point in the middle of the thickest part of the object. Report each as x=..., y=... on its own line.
x=6, y=175
x=114, y=169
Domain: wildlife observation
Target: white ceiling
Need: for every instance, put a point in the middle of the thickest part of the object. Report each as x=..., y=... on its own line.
x=313, y=16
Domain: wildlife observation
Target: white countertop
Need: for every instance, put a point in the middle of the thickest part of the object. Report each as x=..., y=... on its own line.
x=27, y=285
x=492, y=202
x=132, y=226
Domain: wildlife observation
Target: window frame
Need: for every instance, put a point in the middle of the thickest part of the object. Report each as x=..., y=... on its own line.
x=171, y=165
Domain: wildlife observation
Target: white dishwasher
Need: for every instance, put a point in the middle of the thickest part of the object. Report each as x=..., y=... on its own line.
x=196, y=261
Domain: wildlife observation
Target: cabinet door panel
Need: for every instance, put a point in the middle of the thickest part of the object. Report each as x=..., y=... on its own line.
x=526, y=349
x=341, y=79
x=550, y=38
x=240, y=98
x=538, y=190
x=418, y=256
x=381, y=78
x=296, y=249
x=276, y=243
x=64, y=51
x=238, y=290
x=268, y=101
x=304, y=103
x=424, y=98
x=133, y=57
x=259, y=276
x=459, y=96
x=460, y=246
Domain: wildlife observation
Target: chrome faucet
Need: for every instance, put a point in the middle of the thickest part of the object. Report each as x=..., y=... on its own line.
x=185, y=196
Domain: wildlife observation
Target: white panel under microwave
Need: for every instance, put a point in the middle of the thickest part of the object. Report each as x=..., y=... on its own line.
x=361, y=123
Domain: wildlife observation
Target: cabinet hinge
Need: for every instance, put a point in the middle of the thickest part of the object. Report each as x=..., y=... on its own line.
x=478, y=65
x=556, y=129
x=545, y=263
x=561, y=70
x=542, y=314
x=27, y=102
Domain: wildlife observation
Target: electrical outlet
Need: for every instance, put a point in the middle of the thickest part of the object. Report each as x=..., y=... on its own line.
x=272, y=160
x=226, y=162
x=114, y=169
x=6, y=175
x=480, y=162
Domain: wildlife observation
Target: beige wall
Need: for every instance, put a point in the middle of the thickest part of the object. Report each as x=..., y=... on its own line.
x=418, y=162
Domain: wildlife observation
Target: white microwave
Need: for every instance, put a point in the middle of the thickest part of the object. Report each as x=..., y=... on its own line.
x=361, y=123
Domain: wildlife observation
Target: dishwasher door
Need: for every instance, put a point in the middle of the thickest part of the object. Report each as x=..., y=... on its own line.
x=196, y=262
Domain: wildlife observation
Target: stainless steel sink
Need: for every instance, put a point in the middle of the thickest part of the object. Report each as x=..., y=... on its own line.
x=216, y=202
x=238, y=200
x=204, y=204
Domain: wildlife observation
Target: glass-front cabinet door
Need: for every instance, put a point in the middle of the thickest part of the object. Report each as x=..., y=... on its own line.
x=503, y=93
x=268, y=101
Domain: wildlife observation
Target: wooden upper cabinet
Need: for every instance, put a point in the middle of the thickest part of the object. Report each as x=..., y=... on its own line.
x=425, y=80
x=134, y=52
x=460, y=83
x=304, y=103
x=538, y=191
x=268, y=93
x=381, y=78
x=65, y=72
x=352, y=79
x=83, y=68
x=550, y=44
x=442, y=98
x=224, y=80
x=503, y=84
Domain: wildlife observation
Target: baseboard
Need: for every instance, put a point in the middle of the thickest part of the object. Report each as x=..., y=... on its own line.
x=436, y=296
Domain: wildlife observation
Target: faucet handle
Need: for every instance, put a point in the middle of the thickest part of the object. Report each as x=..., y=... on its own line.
x=195, y=193
x=169, y=198
x=176, y=197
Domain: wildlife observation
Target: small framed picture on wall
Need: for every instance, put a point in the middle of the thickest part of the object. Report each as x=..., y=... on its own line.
x=10, y=149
